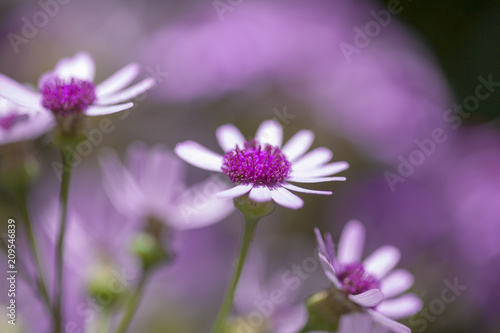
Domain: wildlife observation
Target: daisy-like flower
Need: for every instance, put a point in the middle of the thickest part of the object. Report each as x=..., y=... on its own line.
x=151, y=185
x=19, y=124
x=369, y=286
x=262, y=167
x=69, y=89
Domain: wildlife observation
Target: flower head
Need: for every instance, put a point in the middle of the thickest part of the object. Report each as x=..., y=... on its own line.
x=151, y=186
x=69, y=89
x=262, y=167
x=368, y=285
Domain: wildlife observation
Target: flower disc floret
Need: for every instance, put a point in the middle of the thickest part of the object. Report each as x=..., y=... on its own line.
x=256, y=164
x=356, y=280
x=67, y=97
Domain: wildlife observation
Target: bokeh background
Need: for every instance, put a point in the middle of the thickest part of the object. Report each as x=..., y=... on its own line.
x=375, y=98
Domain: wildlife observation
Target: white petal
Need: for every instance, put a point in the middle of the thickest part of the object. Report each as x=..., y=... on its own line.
x=286, y=199
x=324, y=170
x=80, y=66
x=236, y=191
x=316, y=179
x=199, y=206
x=103, y=110
x=260, y=194
x=127, y=94
x=396, y=283
x=118, y=80
x=229, y=137
x=388, y=323
x=330, y=272
x=199, y=156
x=351, y=242
x=380, y=262
x=298, y=144
x=305, y=190
x=368, y=299
x=270, y=132
x=19, y=94
x=315, y=157
x=400, y=307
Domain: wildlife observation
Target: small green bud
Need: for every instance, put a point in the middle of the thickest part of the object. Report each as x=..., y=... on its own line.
x=149, y=250
x=252, y=209
x=102, y=285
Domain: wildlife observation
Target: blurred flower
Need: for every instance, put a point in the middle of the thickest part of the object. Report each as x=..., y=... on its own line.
x=69, y=89
x=19, y=124
x=368, y=284
x=151, y=185
x=261, y=167
x=265, y=304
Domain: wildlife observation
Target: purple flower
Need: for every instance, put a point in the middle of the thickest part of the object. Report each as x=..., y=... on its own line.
x=372, y=283
x=19, y=124
x=151, y=185
x=263, y=167
x=69, y=89
x=257, y=305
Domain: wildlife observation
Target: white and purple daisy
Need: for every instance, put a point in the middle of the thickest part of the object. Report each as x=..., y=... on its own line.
x=151, y=185
x=69, y=89
x=369, y=285
x=262, y=167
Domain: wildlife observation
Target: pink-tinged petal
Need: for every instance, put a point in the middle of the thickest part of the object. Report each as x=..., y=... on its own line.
x=325, y=170
x=19, y=94
x=356, y=322
x=298, y=144
x=120, y=186
x=313, y=158
x=368, y=299
x=396, y=283
x=199, y=156
x=286, y=199
x=390, y=324
x=351, y=242
x=104, y=110
x=80, y=66
x=118, y=80
x=191, y=211
x=316, y=179
x=235, y=192
x=270, y=132
x=401, y=307
x=260, y=194
x=229, y=137
x=127, y=94
x=304, y=190
x=380, y=262
x=329, y=271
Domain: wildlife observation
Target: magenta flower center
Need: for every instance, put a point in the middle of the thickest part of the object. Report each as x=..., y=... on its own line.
x=67, y=97
x=256, y=164
x=356, y=280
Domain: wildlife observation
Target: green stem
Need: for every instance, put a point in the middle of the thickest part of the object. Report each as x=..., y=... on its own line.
x=133, y=304
x=225, y=309
x=67, y=159
x=39, y=280
x=105, y=321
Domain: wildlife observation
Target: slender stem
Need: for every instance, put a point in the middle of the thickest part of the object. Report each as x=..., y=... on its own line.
x=133, y=303
x=225, y=309
x=105, y=321
x=67, y=159
x=39, y=280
